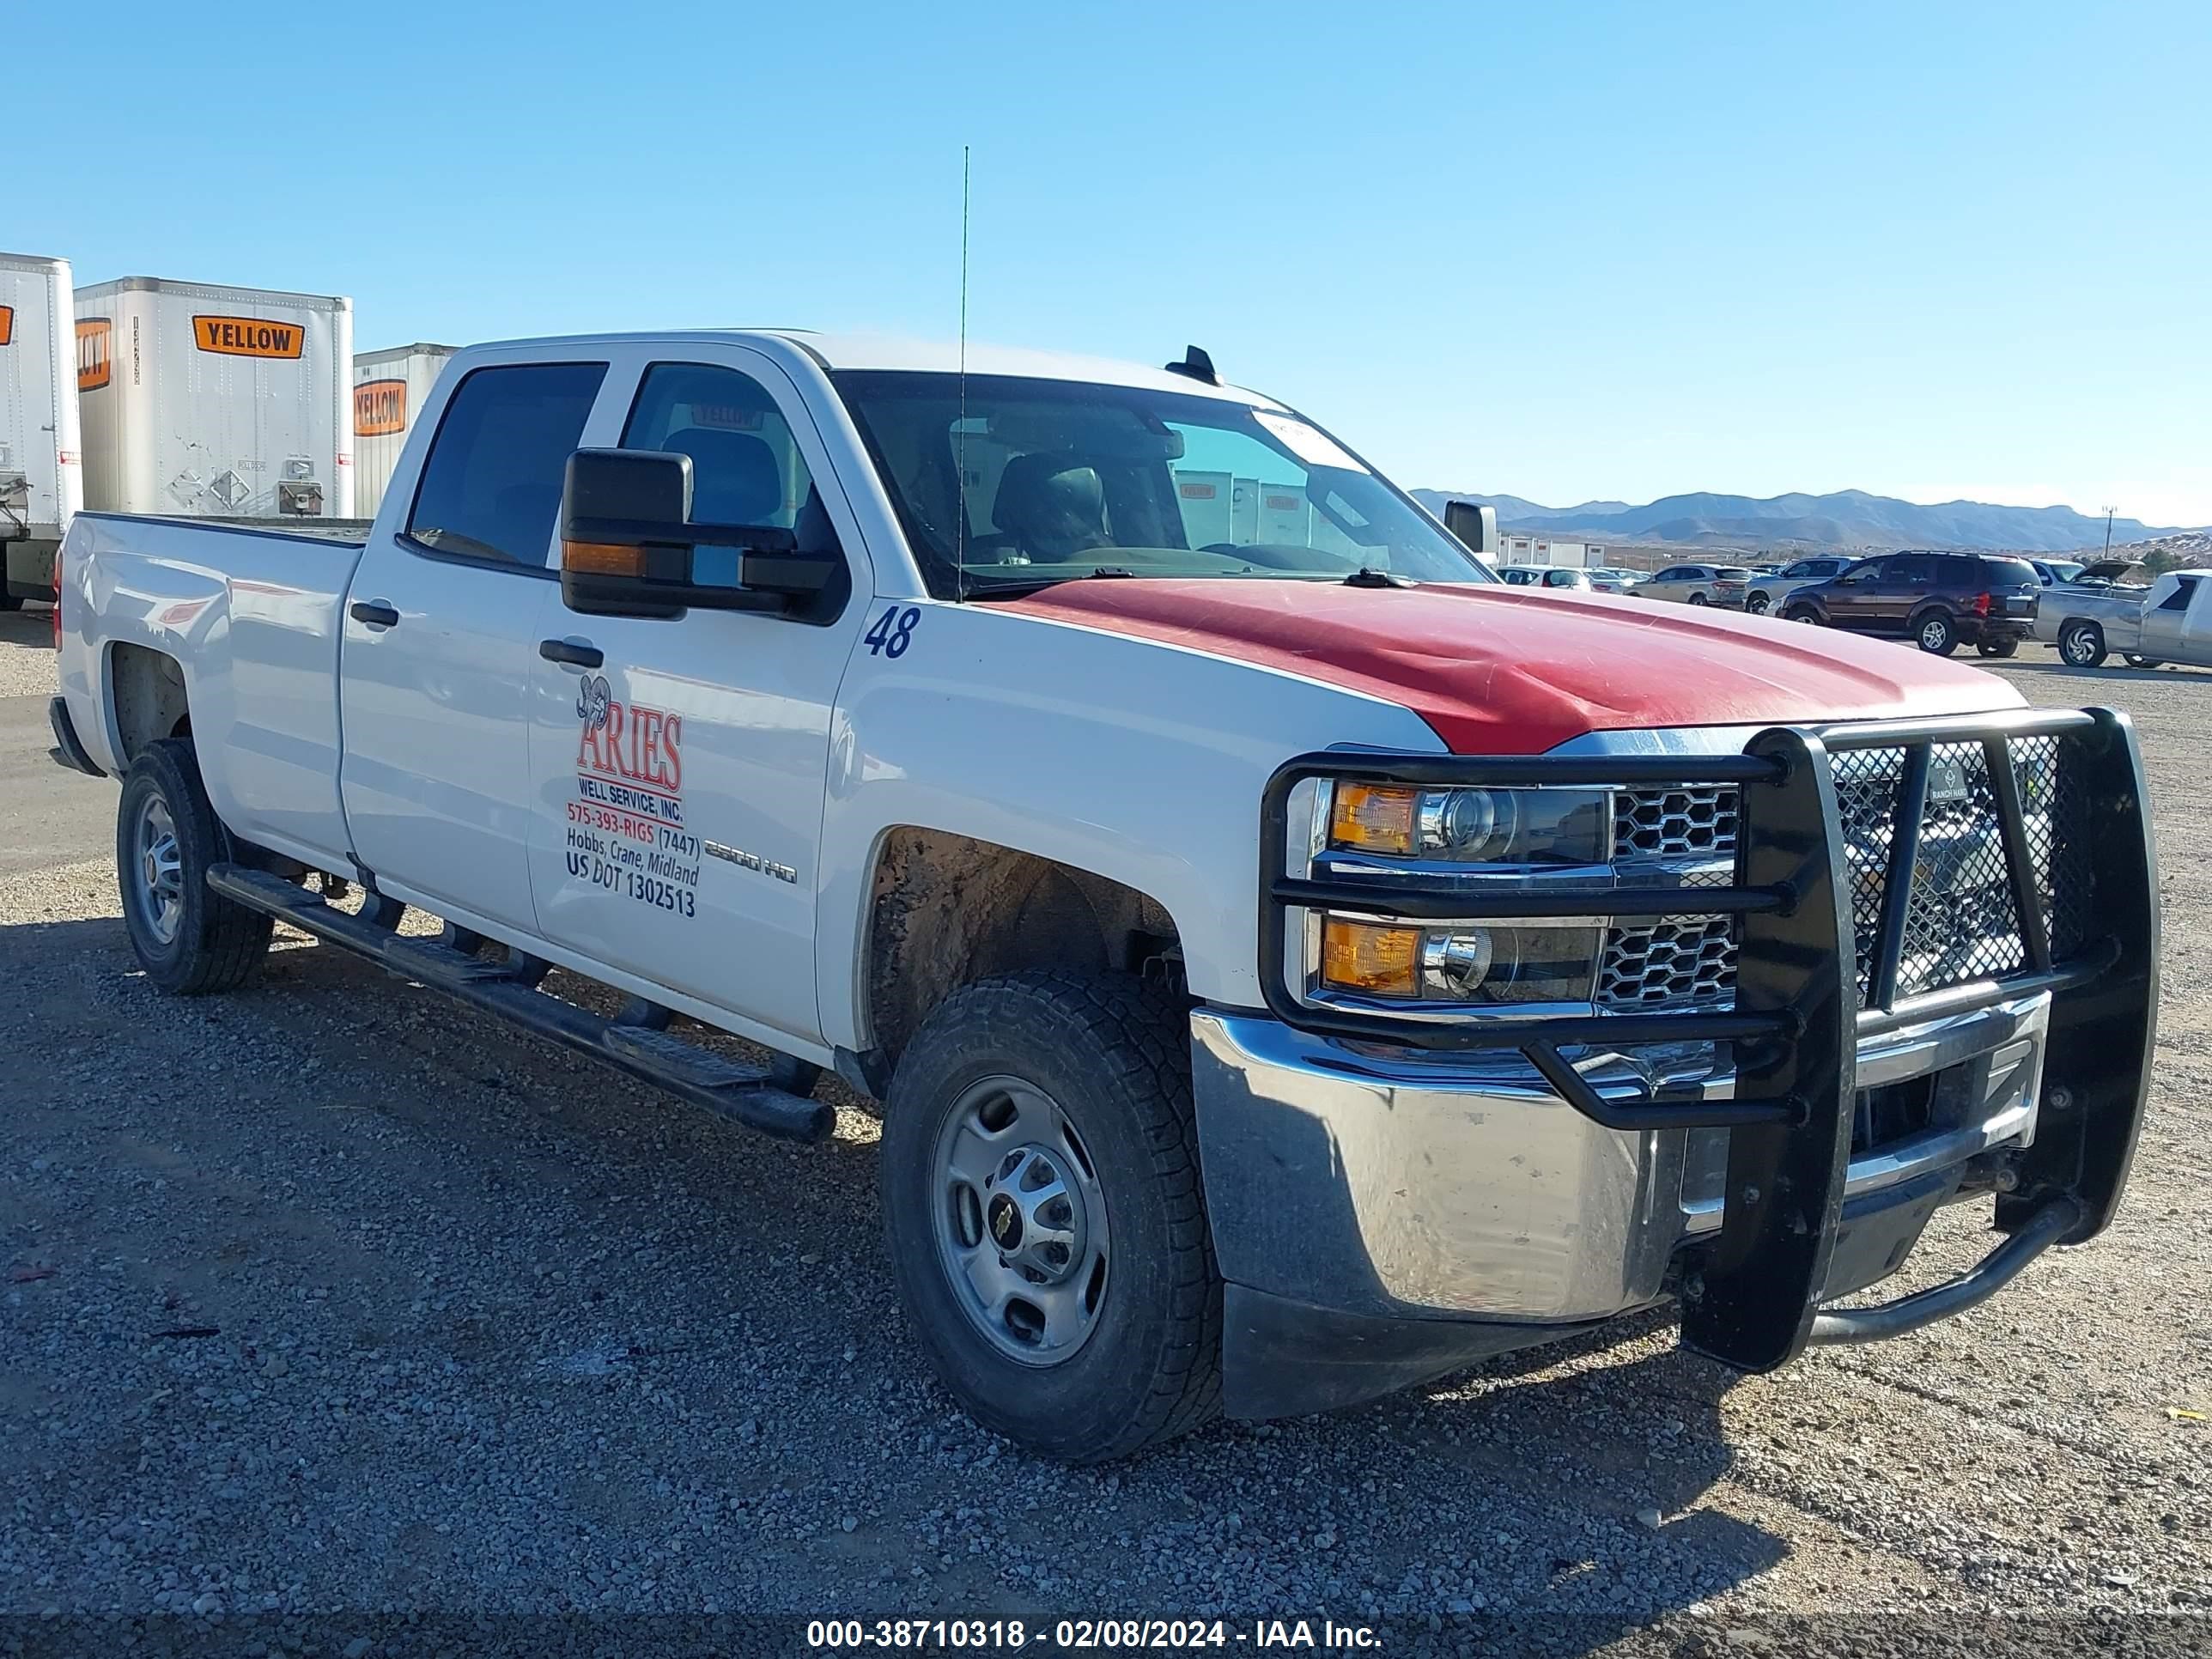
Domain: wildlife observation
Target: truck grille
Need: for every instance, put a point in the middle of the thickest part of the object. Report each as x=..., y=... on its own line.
x=1961, y=924
x=1674, y=824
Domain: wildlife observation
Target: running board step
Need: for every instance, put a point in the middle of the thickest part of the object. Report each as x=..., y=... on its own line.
x=744, y=1094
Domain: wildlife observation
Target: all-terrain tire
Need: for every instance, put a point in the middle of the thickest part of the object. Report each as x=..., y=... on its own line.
x=1113, y=1054
x=211, y=943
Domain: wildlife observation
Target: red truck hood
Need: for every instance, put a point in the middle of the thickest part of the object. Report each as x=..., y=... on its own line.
x=1495, y=671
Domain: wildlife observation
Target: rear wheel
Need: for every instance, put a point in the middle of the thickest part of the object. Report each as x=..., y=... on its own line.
x=1998, y=647
x=1758, y=604
x=1936, y=634
x=1699, y=598
x=2082, y=644
x=1046, y=1223
x=190, y=941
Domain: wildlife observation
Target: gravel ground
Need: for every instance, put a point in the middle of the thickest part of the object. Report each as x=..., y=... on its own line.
x=334, y=1305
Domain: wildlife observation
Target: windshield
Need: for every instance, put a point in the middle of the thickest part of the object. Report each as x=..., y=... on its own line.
x=1065, y=479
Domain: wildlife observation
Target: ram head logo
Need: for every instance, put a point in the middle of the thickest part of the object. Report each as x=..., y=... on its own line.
x=592, y=699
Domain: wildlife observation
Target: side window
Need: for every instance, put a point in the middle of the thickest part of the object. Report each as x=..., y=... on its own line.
x=1872, y=571
x=1672, y=573
x=2178, y=600
x=491, y=484
x=745, y=465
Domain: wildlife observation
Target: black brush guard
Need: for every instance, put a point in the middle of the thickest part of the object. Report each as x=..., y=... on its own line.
x=1750, y=1300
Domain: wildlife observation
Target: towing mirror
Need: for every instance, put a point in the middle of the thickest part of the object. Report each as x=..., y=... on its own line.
x=629, y=547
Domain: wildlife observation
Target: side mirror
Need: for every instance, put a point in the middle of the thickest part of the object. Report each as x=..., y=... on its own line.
x=629, y=547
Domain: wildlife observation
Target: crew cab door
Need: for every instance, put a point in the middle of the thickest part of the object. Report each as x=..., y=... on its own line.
x=2173, y=622
x=680, y=764
x=441, y=633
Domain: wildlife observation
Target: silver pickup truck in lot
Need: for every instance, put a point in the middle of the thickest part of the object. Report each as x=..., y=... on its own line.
x=2169, y=621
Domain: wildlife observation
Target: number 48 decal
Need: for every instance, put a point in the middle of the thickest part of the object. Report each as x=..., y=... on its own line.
x=893, y=632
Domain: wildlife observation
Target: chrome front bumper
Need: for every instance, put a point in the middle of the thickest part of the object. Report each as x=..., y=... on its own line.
x=1456, y=1198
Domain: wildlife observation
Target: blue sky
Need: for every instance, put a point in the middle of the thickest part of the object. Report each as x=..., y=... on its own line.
x=1563, y=250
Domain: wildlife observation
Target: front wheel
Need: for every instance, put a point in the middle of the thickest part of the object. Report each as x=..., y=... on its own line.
x=2082, y=644
x=1801, y=613
x=1936, y=635
x=1045, y=1218
x=190, y=941
x=1758, y=604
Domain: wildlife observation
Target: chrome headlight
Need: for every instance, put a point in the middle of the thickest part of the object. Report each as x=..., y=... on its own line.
x=1472, y=826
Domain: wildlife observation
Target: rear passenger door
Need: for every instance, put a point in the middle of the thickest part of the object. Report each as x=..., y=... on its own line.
x=441, y=643
x=1850, y=600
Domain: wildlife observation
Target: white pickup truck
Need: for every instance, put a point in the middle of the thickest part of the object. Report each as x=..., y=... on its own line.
x=1292, y=963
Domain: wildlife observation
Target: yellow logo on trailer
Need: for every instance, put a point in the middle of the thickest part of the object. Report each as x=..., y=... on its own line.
x=96, y=362
x=380, y=408
x=248, y=337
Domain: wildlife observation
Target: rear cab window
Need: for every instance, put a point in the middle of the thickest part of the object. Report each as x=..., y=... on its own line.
x=490, y=489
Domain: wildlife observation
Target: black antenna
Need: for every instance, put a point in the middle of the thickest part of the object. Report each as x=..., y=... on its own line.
x=960, y=445
x=1197, y=365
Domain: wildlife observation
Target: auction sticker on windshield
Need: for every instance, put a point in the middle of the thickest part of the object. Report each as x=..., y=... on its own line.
x=626, y=830
x=1310, y=445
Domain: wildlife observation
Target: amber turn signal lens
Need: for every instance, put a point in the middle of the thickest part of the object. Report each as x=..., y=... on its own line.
x=1367, y=956
x=1370, y=817
x=602, y=559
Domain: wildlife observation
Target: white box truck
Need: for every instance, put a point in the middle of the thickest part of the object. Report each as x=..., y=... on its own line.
x=41, y=480
x=388, y=387
x=206, y=402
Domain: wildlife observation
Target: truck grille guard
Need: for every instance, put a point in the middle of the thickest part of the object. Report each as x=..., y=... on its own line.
x=1821, y=961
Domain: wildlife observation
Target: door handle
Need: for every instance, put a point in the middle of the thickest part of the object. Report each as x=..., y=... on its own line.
x=373, y=613
x=575, y=652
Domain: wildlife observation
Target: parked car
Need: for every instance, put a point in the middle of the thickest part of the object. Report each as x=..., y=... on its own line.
x=1769, y=590
x=2169, y=621
x=1546, y=575
x=1699, y=584
x=1162, y=887
x=1608, y=580
x=1939, y=601
x=2051, y=572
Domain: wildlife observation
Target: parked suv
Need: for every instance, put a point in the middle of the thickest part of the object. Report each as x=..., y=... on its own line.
x=1698, y=584
x=1770, y=588
x=1937, y=600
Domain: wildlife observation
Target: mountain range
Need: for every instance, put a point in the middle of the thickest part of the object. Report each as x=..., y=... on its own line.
x=1849, y=519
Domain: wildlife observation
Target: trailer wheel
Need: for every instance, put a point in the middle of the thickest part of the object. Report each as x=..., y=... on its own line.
x=2082, y=644
x=190, y=941
x=1046, y=1222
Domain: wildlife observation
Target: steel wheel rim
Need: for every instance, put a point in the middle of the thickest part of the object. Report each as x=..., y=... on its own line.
x=157, y=869
x=1020, y=1222
x=1931, y=636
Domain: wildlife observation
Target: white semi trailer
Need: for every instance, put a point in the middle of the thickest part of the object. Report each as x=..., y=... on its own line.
x=41, y=480
x=200, y=401
x=389, y=387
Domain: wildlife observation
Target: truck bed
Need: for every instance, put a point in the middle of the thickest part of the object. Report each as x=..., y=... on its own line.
x=251, y=614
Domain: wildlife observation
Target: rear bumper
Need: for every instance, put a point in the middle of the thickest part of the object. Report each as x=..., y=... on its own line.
x=1382, y=1220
